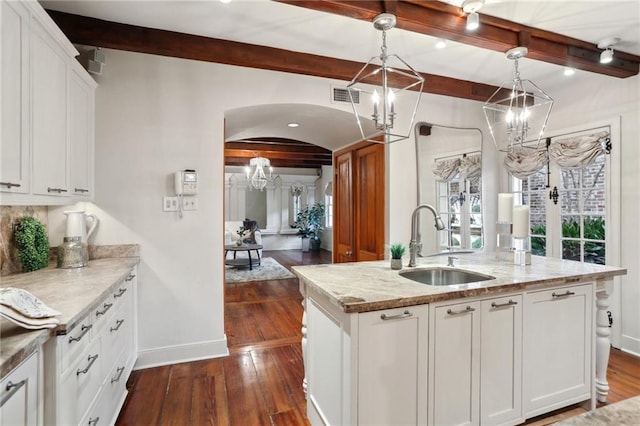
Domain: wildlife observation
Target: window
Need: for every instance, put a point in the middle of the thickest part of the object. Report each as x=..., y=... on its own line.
x=328, y=203
x=460, y=208
x=569, y=215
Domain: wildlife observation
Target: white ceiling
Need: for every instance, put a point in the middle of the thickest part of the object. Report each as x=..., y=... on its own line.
x=268, y=23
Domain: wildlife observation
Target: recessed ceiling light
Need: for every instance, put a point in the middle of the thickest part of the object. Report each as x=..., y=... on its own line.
x=225, y=1
x=292, y=124
x=569, y=71
x=441, y=43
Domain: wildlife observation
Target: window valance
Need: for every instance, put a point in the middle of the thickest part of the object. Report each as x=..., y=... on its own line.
x=579, y=151
x=470, y=167
x=568, y=153
x=445, y=170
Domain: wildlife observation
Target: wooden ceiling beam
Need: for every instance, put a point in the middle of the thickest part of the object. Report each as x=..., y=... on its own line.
x=280, y=162
x=97, y=32
x=276, y=154
x=269, y=146
x=446, y=21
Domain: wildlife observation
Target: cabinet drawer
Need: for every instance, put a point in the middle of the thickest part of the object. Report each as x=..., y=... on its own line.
x=116, y=336
x=115, y=385
x=81, y=383
x=19, y=394
x=75, y=342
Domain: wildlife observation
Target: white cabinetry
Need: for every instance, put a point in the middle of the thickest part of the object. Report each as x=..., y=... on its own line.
x=558, y=348
x=14, y=92
x=392, y=368
x=87, y=368
x=81, y=99
x=47, y=112
x=21, y=394
x=50, y=156
x=475, y=362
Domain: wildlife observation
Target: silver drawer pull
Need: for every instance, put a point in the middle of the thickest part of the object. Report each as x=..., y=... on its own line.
x=120, y=292
x=83, y=330
x=94, y=421
x=81, y=190
x=462, y=311
x=10, y=184
x=566, y=293
x=130, y=277
x=106, y=306
x=405, y=314
x=11, y=389
x=91, y=360
x=58, y=190
x=502, y=305
x=120, y=370
x=118, y=325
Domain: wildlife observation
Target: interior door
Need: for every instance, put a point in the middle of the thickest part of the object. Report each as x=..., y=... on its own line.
x=343, y=208
x=369, y=208
x=359, y=203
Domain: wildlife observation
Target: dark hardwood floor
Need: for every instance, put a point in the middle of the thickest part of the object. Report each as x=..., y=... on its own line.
x=260, y=382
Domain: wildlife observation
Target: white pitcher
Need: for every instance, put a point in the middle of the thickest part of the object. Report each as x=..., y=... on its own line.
x=77, y=224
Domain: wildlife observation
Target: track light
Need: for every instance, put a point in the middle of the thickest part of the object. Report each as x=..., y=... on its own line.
x=472, y=7
x=607, y=44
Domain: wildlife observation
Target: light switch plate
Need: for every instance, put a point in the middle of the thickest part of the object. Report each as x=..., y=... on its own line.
x=189, y=203
x=170, y=204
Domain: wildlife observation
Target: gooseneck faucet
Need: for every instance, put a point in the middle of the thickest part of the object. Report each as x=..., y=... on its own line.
x=414, y=244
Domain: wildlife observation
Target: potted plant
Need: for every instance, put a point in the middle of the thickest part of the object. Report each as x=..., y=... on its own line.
x=397, y=251
x=309, y=222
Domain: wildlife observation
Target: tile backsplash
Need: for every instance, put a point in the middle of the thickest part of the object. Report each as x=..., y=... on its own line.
x=8, y=248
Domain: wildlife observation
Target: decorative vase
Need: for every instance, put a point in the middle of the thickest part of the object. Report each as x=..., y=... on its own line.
x=239, y=242
x=305, y=244
x=396, y=263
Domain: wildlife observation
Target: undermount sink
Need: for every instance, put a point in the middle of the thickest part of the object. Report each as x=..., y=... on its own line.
x=444, y=276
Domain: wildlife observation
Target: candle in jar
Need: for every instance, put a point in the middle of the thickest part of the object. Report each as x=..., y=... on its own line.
x=521, y=221
x=505, y=208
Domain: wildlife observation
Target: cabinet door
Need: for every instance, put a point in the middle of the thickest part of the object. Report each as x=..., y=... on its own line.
x=557, y=364
x=49, y=114
x=392, y=366
x=454, y=365
x=19, y=394
x=81, y=136
x=501, y=361
x=14, y=86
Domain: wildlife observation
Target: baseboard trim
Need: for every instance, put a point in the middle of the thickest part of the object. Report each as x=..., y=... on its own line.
x=181, y=353
x=630, y=344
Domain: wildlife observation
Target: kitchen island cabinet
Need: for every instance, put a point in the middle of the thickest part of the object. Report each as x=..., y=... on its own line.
x=477, y=371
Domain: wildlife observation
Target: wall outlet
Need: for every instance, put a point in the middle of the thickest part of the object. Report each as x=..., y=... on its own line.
x=170, y=204
x=189, y=203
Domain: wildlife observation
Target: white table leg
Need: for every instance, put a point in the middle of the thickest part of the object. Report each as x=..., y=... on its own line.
x=304, y=347
x=603, y=344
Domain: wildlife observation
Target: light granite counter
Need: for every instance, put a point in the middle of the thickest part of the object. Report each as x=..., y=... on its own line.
x=371, y=286
x=73, y=292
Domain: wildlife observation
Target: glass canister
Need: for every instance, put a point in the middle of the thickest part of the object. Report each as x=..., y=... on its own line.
x=72, y=253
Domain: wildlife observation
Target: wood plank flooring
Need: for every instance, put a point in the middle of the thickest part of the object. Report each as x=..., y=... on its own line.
x=260, y=383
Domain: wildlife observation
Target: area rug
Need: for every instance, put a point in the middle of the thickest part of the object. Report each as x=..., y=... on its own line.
x=626, y=412
x=269, y=269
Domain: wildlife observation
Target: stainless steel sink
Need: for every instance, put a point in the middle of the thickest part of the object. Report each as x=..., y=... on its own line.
x=444, y=276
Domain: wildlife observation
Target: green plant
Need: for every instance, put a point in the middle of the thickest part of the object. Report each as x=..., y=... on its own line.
x=397, y=250
x=33, y=251
x=309, y=221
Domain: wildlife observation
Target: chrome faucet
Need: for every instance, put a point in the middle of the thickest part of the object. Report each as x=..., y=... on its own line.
x=450, y=260
x=415, y=244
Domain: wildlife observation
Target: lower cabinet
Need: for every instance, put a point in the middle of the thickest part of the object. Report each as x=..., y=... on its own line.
x=392, y=372
x=86, y=369
x=20, y=394
x=476, y=361
x=557, y=348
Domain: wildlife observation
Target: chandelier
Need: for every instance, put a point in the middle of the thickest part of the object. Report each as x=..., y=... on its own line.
x=256, y=175
x=518, y=111
x=382, y=72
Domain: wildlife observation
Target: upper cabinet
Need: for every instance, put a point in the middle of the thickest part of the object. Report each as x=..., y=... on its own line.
x=47, y=112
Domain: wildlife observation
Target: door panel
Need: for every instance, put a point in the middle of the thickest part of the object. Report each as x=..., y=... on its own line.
x=343, y=209
x=370, y=206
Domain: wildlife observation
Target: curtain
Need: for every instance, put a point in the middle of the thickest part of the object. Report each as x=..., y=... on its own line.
x=524, y=163
x=471, y=167
x=579, y=151
x=445, y=170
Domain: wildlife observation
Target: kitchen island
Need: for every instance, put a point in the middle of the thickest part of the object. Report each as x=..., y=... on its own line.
x=381, y=348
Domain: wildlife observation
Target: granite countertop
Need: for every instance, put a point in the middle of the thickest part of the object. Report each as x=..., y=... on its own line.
x=73, y=292
x=371, y=286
